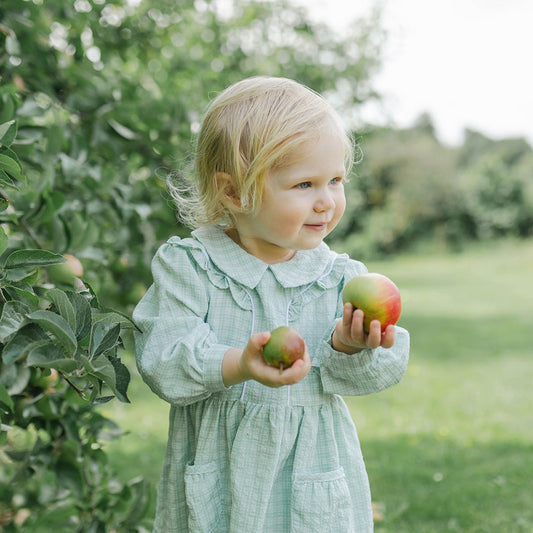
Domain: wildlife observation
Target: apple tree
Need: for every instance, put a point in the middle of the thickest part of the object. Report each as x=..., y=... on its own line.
x=60, y=351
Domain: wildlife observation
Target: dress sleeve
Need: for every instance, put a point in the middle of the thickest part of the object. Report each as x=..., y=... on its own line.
x=368, y=371
x=177, y=354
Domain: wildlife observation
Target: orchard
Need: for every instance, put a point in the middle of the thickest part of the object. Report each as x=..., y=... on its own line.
x=99, y=101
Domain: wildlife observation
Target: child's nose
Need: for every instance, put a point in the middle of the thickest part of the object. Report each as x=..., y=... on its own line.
x=324, y=202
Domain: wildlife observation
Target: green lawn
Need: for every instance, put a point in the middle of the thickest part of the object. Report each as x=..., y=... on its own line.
x=451, y=447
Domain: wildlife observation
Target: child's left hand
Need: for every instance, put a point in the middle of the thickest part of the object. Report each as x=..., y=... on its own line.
x=350, y=337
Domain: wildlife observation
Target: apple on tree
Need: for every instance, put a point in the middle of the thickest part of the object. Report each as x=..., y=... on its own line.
x=283, y=348
x=65, y=273
x=377, y=296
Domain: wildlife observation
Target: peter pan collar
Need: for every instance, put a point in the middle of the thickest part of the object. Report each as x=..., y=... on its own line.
x=305, y=267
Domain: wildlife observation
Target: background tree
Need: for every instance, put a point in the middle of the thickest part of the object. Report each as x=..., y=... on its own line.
x=410, y=191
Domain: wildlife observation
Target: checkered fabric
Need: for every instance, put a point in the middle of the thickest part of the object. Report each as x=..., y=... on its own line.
x=249, y=458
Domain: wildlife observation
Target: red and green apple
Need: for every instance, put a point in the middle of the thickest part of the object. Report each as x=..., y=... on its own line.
x=377, y=296
x=284, y=347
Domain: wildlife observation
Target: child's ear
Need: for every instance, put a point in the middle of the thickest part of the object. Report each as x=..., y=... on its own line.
x=226, y=184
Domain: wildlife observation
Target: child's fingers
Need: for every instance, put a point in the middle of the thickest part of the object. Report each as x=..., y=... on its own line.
x=296, y=372
x=258, y=340
x=273, y=377
x=388, y=336
x=374, y=334
x=347, y=315
x=356, y=329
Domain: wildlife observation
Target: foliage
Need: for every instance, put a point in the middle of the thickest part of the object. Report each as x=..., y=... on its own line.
x=98, y=102
x=409, y=189
x=60, y=357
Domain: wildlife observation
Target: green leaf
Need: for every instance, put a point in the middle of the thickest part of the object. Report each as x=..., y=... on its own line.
x=16, y=275
x=82, y=232
x=3, y=240
x=21, y=343
x=60, y=240
x=102, y=368
x=6, y=181
x=122, y=130
x=82, y=310
x=8, y=132
x=104, y=335
x=139, y=504
x=63, y=305
x=58, y=327
x=111, y=371
x=4, y=127
x=122, y=379
x=114, y=316
x=13, y=315
x=30, y=257
x=5, y=398
x=19, y=379
x=10, y=166
x=23, y=291
x=31, y=278
x=7, y=110
x=46, y=354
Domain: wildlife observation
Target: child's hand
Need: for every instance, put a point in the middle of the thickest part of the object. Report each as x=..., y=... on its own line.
x=253, y=365
x=350, y=337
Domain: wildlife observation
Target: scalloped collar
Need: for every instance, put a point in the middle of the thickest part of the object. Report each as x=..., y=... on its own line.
x=305, y=267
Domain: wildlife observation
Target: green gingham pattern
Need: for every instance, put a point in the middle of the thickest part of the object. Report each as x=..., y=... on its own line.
x=249, y=458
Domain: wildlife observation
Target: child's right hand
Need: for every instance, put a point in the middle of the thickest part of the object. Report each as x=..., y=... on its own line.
x=254, y=366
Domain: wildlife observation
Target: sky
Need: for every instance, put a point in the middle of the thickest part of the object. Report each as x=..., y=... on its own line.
x=468, y=63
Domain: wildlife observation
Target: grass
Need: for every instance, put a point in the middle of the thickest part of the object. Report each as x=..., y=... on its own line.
x=451, y=447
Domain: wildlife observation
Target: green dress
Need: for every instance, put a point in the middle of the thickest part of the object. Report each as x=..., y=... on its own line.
x=249, y=458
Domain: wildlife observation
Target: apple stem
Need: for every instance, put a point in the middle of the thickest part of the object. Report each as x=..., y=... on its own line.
x=281, y=369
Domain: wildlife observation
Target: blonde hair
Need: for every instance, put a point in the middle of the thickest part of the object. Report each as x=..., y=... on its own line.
x=250, y=128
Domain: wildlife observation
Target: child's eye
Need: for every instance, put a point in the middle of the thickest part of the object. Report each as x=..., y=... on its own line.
x=335, y=181
x=304, y=185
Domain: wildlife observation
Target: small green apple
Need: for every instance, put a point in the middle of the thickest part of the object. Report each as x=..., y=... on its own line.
x=65, y=273
x=377, y=296
x=45, y=379
x=283, y=348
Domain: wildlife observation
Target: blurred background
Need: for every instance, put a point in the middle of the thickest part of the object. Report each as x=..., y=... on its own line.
x=462, y=62
x=101, y=100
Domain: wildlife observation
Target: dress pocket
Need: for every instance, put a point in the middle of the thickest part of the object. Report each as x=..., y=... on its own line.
x=204, y=503
x=322, y=503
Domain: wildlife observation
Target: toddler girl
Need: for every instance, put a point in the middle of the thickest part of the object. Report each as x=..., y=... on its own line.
x=251, y=449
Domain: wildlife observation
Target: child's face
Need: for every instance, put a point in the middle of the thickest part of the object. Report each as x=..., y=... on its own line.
x=302, y=202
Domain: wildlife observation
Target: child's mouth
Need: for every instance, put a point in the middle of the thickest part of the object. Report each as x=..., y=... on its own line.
x=316, y=227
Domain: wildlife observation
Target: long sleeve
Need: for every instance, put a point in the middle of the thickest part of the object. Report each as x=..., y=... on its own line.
x=366, y=372
x=177, y=353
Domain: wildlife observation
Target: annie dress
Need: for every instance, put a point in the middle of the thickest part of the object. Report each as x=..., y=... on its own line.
x=249, y=458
